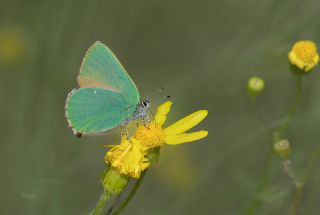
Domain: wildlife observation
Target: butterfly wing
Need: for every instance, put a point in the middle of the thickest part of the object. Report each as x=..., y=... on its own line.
x=107, y=95
x=94, y=110
x=100, y=68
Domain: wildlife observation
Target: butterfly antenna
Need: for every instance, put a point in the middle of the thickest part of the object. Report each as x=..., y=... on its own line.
x=166, y=97
x=158, y=91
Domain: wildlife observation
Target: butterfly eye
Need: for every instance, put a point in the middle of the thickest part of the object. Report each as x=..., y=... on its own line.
x=146, y=103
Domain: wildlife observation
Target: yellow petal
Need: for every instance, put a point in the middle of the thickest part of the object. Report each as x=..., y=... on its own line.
x=162, y=112
x=295, y=60
x=316, y=59
x=185, y=137
x=186, y=123
x=128, y=157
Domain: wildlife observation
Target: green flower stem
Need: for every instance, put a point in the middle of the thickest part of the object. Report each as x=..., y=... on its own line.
x=297, y=196
x=289, y=173
x=259, y=116
x=153, y=157
x=114, y=204
x=101, y=203
x=131, y=194
x=277, y=135
x=298, y=94
x=257, y=201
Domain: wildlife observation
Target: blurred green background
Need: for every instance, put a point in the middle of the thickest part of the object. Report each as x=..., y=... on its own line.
x=204, y=51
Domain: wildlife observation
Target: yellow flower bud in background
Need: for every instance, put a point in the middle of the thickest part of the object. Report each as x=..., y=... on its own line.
x=255, y=86
x=12, y=45
x=282, y=148
x=304, y=55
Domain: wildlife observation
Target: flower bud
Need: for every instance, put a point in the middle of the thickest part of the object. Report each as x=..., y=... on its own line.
x=282, y=148
x=255, y=86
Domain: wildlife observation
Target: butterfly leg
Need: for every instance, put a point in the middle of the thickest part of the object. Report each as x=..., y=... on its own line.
x=146, y=121
x=124, y=132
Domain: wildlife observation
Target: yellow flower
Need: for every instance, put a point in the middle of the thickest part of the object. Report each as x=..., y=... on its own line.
x=154, y=135
x=304, y=55
x=12, y=45
x=128, y=157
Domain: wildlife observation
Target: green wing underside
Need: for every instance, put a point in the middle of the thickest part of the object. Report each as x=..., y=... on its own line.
x=100, y=68
x=92, y=110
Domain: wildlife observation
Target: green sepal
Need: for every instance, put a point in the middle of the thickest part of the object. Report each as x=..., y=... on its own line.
x=153, y=155
x=113, y=182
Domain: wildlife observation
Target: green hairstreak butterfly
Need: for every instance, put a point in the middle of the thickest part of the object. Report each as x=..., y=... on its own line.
x=106, y=98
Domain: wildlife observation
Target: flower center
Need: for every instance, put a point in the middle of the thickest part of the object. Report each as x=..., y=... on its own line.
x=305, y=51
x=150, y=136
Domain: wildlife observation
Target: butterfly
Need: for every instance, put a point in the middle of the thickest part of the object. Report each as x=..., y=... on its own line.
x=107, y=98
